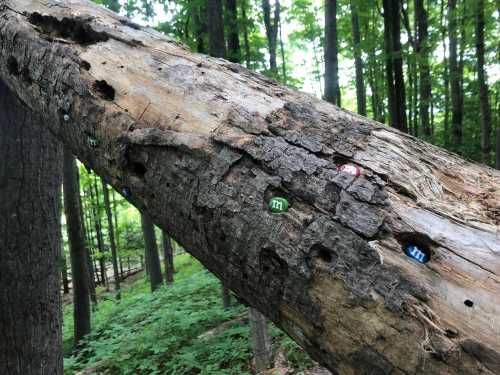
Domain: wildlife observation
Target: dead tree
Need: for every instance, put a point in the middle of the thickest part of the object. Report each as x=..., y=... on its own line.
x=203, y=145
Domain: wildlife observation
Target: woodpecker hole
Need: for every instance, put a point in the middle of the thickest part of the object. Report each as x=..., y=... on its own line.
x=104, y=90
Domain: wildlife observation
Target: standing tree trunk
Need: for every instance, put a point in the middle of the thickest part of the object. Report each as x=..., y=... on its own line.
x=332, y=88
x=168, y=258
x=111, y=235
x=205, y=148
x=216, y=43
x=30, y=272
x=358, y=61
x=484, y=105
x=271, y=26
x=261, y=344
x=151, y=252
x=96, y=211
x=233, y=39
x=394, y=65
x=246, y=40
x=200, y=26
x=77, y=248
x=422, y=46
x=455, y=76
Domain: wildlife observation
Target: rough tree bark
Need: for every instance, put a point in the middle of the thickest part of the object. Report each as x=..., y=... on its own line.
x=77, y=248
x=261, y=343
x=30, y=196
x=203, y=144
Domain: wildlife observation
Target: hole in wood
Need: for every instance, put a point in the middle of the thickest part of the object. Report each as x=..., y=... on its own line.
x=416, y=246
x=12, y=66
x=468, y=303
x=138, y=169
x=105, y=91
x=323, y=254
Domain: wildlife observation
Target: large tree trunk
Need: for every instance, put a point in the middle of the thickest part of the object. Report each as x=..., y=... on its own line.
x=216, y=44
x=77, y=248
x=203, y=144
x=332, y=88
x=30, y=187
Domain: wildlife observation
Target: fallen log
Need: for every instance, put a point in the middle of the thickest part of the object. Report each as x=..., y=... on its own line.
x=387, y=260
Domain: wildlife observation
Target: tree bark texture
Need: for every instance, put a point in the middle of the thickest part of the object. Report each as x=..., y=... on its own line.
x=203, y=144
x=261, y=343
x=332, y=88
x=30, y=272
x=77, y=248
x=215, y=28
x=151, y=252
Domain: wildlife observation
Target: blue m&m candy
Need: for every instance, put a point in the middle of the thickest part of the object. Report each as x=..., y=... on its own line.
x=417, y=253
x=126, y=192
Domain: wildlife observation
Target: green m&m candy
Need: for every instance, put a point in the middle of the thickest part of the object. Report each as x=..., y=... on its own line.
x=278, y=205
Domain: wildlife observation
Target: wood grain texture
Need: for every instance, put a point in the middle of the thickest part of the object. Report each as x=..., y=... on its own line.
x=203, y=144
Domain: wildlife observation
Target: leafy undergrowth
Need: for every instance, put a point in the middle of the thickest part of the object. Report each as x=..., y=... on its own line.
x=172, y=331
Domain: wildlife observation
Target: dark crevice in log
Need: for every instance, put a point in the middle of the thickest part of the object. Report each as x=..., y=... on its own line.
x=12, y=66
x=104, y=90
x=75, y=29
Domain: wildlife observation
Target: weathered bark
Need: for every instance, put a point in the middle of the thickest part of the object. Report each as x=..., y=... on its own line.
x=77, y=248
x=482, y=81
x=215, y=26
x=332, y=88
x=168, y=258
x=261, y=343
x=151, y=252
x=111, y=236
x=358, y=61
x=30, y=273
x=202, y=144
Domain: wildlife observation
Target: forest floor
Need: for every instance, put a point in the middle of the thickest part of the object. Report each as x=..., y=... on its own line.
x=179, y=329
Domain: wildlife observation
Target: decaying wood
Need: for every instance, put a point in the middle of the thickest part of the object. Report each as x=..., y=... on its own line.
x=202, y=144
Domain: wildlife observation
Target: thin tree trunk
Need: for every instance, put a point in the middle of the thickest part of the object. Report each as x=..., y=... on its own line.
x=117, y=231
x=168, y=258
x=77, y=248
x=358, y=61
x=261, y=343
x=96, y=210
x=64, y=274
x=246, y=41
x=233, y=38
x=271, y=26
x=200, y=26
x=422, y=44
x=456, y=107
x=216, y=44
x=332, y=88
x=30, y=275
x=151, y=252
x=484, y=105
x=394, y=65
x=282, y=49
x=111, y=235
x=341, y=270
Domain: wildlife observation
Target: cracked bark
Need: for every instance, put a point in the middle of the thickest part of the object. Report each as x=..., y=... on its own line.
x=202, y=144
